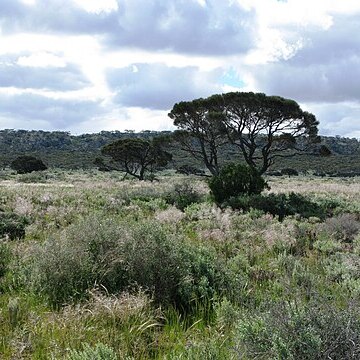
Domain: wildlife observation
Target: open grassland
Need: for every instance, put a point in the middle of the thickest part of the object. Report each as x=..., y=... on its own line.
x=120, y=269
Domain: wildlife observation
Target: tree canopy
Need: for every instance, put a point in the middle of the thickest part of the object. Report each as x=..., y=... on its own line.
x=262, y=127
x=137, y=156
x=201, y=131
x=27, y=164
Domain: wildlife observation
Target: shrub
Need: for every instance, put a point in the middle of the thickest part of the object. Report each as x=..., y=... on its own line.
x=182, y=195
x=120, y=256
x=172, y=270
x=291, y=331
x=343, y=227
x=235, y=180
x=26, y=164
x=12, y=225
x=85, y=254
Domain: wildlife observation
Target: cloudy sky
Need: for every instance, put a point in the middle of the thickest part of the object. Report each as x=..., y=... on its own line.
x=90, y=65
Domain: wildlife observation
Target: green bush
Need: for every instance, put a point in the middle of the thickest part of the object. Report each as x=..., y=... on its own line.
x=182, y=195
x=12, y=225
x=27, y=164
x=235, y=180
x=120, y=256
x=174, y=271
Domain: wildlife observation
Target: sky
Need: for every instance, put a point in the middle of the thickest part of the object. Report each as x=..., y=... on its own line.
x=84, y=66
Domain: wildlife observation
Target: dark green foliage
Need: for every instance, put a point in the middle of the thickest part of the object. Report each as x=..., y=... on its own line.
x=324, y=151
x=234, y=180
x=12, y=225
x=280, y=205
x=201, y=131
x=27, y=164
x=289, y=172
x=173, y=271
x=138, y=156
x=100, y=164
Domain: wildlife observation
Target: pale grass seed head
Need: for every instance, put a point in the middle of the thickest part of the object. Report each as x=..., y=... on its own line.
x=172, y=215
x=23, y=206
x=279, y=234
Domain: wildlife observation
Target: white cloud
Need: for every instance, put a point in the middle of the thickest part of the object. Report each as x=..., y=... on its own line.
x=157, y=86
x=96, y=6
x=42, y=59
x=129, y=61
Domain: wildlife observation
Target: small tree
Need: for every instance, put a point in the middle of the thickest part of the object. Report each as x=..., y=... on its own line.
x=235, y=180
x=27, y=164
x=138, y=156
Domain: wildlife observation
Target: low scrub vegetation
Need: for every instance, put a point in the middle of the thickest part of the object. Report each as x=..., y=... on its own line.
x=96, y=267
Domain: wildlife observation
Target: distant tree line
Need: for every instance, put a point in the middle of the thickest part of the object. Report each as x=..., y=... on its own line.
x=265, y=133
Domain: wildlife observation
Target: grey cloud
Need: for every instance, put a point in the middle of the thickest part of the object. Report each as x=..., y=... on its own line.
x=326, y=69
x=69, y=77
x=58, y=113
x=328, y=46
x=157, y=86
x=221, y=27
x=332, y=82
x=53, y=16
x=337, y=118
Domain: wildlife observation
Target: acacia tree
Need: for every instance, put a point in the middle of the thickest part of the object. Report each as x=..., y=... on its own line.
x=262, y=127
x=138, y=156
x=201, y=131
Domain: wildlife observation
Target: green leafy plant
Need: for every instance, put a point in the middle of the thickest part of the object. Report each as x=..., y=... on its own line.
x=235, y=180
x=98, y=352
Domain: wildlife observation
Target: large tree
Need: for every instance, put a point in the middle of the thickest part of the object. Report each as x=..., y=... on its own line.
x=137, y=156
x=262, y=127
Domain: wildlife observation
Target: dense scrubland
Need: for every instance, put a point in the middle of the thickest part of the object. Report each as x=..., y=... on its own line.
x=96, y=267
x=63, y=150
